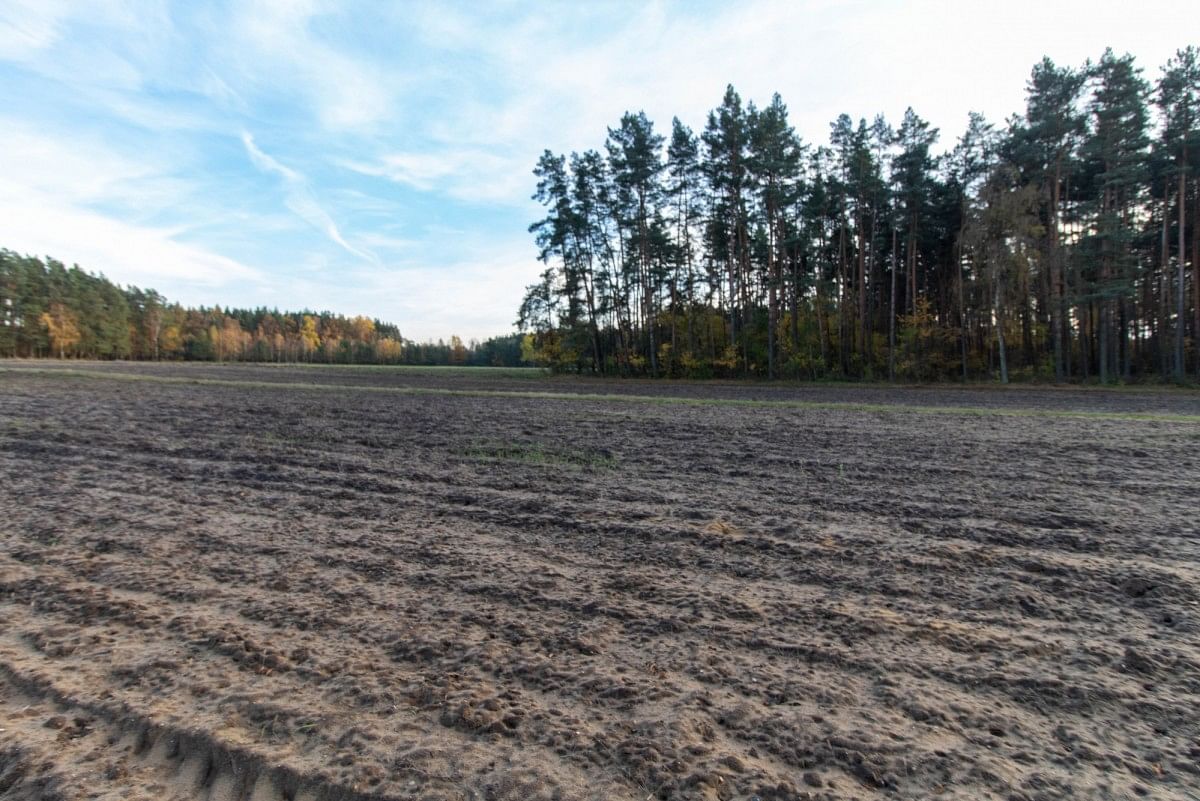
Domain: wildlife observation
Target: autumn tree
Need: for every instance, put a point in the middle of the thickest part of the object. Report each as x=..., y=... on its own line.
x=62, y=325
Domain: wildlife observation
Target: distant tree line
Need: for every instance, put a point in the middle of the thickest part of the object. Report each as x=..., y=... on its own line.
x=1061, y=245
x=49, y=310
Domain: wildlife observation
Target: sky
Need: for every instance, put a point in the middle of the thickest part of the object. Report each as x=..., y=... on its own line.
x=375, y=157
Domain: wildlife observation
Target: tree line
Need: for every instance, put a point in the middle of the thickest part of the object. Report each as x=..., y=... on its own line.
x=1061, y=244
x=50, y=310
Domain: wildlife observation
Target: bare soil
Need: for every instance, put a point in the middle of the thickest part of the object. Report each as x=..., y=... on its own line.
x=399, y=586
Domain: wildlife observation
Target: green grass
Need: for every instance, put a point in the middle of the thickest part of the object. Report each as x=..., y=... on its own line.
x=411, y=369
x=658, y=400
x=18, y=425
x=538, y=454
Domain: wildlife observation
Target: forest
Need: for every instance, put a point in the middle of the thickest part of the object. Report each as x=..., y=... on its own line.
x=1059, y=245
x=49, y=310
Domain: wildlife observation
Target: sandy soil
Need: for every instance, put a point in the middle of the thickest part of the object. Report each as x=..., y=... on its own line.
x=218, y=591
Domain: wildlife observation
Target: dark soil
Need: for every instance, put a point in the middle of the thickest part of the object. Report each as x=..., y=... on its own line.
x=238, y=591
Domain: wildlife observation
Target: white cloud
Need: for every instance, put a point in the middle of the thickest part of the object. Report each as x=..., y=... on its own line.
x=298, y=197
x=273, y=45
x=568, y=76
x=35, y=223
x=466, y=174
x=475, y=296
x=29, y=26
x=49, y=198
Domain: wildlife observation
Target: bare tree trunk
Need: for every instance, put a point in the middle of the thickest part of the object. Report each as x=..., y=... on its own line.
x=1164, y=307
x=744, y=284
x=1056, y=279
x=962, y=308
x=772, y=293
x=822, y=328
x=862, y=293
x=1027, y=325
x=1126, y=349
x=873, y=277
x=795, y=299
x=1181, y=314
x=998, y=307
x=843, y=306
x=1003, y=352
x=648, y=293
x=1196, y=274
x=732, y=298
x=892, y=311
x=1103, y=344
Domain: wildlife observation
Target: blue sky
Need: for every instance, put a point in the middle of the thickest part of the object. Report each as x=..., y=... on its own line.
x=375, y=157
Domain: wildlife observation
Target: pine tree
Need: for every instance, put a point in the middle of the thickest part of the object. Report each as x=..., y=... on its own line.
x=1048, y=142
x=1179, y=102
x=773, y=162
x=1117, y=149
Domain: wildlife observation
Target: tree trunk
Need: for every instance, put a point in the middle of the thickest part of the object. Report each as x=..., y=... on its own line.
x=1196, y=274
x=1181, y=314
x=1027, y=329
x=1164, y=307
x=1103, y=344
x=1056, y=278
x=1126, y=349
x=892, y=311
x=843, y=306
x=795, y=300
x=822, y=330
x=911, y=258
x=732, y=298
x=862, y=294
x=772, y=292
x=962, y=308
x=1000, y=343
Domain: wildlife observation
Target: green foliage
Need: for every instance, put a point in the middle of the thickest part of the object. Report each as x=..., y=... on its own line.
x=926, y=349
x=49, y=310
x=1034, y=249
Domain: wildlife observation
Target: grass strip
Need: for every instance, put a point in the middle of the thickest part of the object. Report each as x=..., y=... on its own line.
x=879, y=408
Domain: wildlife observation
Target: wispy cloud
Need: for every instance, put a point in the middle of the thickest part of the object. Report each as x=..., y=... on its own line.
x=298, y=197
x=389, y=168
x=466, y=174
x=136, y=254
x=28, y=26
x=79, y=200
x=274, y=44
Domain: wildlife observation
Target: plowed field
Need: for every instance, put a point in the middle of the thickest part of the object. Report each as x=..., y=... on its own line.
x=300, y=583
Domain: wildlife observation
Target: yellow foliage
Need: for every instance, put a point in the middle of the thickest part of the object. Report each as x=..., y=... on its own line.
x=362, y=328
x=62, y=326
x=308, y=334
x=171, y=339
x=664, y=357
x=728, y=358
x=925, y=348
x=388, y=349
x=547, y=350
x=529, y=349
